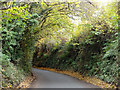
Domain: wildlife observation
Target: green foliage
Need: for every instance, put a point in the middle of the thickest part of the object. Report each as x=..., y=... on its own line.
x=12, y=75
x=18, y=41
x=92, y=50
x=111, y=50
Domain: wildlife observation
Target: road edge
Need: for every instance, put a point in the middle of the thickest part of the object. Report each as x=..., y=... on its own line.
x=27, y=82
x=92, y=80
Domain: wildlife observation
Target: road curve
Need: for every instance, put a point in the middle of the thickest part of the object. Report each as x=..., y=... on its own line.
x=48, y=79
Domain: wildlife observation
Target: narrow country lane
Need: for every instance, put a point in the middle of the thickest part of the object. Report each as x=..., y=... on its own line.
x=48, y=79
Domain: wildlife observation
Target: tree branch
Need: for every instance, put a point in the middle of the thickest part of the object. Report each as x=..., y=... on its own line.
x=5, y=8
x=91, y=3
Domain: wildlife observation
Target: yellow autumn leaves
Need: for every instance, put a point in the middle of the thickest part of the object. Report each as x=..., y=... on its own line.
x=17, y=12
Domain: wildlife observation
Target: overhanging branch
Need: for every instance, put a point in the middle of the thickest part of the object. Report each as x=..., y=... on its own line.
x=5, y=8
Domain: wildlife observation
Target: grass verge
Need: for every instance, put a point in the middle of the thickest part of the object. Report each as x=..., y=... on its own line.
x=27, y=82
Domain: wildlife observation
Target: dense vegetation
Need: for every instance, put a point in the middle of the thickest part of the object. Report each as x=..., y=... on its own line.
x=46, y=35
x=18, y=38
x=92, y=50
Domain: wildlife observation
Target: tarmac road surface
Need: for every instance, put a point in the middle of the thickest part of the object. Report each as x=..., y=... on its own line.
x=48, y=79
